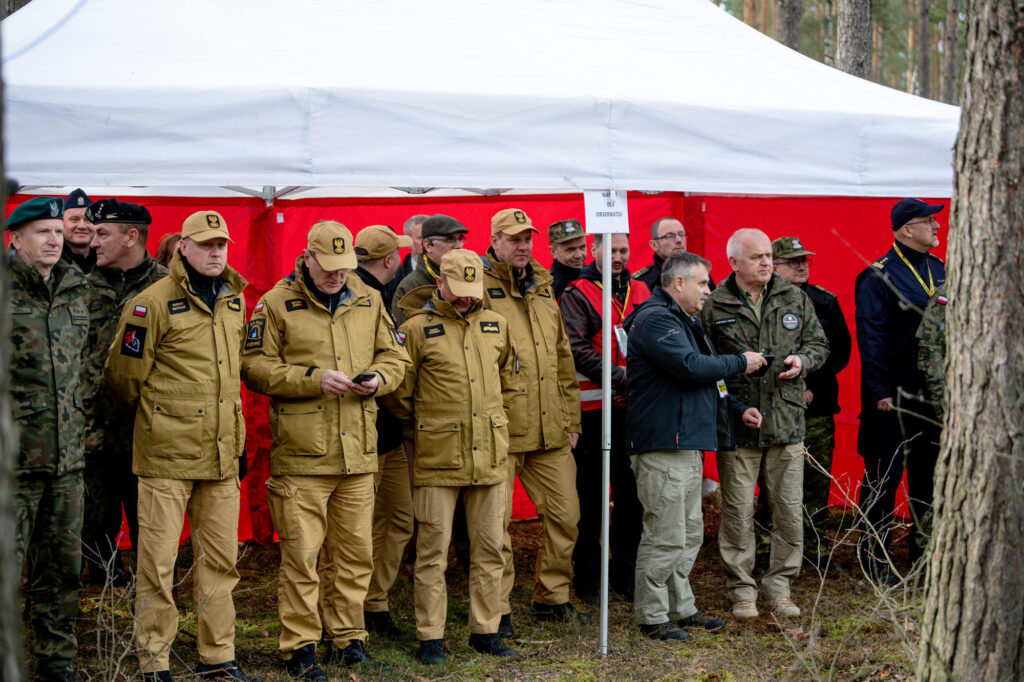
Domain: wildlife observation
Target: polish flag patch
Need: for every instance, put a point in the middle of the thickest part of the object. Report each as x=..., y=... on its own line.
x=941, y=300
x=140, y=311
x=258, y=308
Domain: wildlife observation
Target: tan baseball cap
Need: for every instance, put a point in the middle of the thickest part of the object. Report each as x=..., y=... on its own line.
x=331, y=243
x=464, y=272
x=202, y=226
x=377, y=241
x=511, y=221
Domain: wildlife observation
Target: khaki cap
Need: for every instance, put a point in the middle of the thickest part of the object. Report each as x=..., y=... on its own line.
x=464, y=272
x=789, y=247
x=511, y=221
x=202, y=226
x=564, y=230
x=331, y=243
x=377, y=241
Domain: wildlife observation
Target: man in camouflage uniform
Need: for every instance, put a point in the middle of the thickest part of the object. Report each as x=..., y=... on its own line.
x=123, y=270
x=931, y=351
x=78, y=232
x=568, y=245
x=759, y=311
x=49, y=322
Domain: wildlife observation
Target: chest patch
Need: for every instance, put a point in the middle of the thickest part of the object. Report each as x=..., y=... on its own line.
x=254, y=334
x=134, y=341
x=490, y=327
x=790, y=321
x=724, y=321
x=941, y=300
x=545, y=292
x=399, y=336
x=178, y=305
x=295, y=304
x=433, y=330
x=496, y=292
x=235, y=304
x=79, y=318
x=17, y=309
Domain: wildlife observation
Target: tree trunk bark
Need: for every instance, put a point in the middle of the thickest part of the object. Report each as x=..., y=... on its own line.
x=12, y=650
x=877, y=33
x=911, y=55
x=973, y=616
x=787, y=21
x=750, y=12
x=924, y=48
x=767, y=23
x=853, y=50
x=828, y=40
x=950, y=45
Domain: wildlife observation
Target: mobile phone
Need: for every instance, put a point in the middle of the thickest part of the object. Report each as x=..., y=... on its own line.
x=764, y=370
x=363, y=377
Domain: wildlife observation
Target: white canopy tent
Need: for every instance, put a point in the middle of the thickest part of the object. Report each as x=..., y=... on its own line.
x=540, y=94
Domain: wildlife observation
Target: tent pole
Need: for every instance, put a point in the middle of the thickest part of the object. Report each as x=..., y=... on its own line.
x=606, y=424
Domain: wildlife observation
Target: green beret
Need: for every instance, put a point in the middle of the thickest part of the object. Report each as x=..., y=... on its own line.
x=36, y=208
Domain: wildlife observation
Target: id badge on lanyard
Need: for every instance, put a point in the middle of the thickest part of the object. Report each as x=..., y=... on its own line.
x=621, y=338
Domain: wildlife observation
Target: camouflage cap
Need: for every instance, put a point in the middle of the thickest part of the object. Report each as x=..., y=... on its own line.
x=377, y=241
x=789, y=247
x=202, y=226
x=464, y=273
x=331, y=243
x=511, y=221
x=36, y=208
x=564, y=230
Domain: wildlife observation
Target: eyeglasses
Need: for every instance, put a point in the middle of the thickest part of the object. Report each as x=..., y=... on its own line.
x=928, y=221
x=449, y=239
x=671, y=236
x=793, y=262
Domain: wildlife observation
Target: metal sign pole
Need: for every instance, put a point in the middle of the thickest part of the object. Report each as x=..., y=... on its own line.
x=606, y=425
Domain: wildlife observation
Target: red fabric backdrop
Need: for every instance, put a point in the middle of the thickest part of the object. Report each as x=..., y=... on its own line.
x=847, y=234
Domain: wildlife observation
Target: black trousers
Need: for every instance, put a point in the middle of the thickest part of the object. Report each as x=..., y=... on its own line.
x=891, y=442
x=626, y=515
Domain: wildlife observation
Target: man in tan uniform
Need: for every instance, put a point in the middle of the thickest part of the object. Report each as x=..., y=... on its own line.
x=464, y=376
x=544, y=421
x=176, y=355
x=321, y=345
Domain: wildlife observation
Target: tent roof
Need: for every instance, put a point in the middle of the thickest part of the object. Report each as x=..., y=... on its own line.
x=545, y=94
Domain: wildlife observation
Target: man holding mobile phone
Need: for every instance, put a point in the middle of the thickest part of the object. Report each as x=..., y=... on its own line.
x=322, y=346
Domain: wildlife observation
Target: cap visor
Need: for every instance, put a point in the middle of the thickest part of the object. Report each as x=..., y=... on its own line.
x=333, y=261
x=207, y=235
x=405, y=242
x=516, y=229
x=932, y=209
x=463, y=289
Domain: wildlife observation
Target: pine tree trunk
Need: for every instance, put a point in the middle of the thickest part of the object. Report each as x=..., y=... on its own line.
x=767, y=23
x=973, y=616
x=911, y=56
x=853, y=50
x=787, y=15
x=877, y=34
x=924, y=48
x=950, y=45
x=828, y=41
x=750, y=12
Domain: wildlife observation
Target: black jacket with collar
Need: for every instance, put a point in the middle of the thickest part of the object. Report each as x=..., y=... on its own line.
x=673, y=401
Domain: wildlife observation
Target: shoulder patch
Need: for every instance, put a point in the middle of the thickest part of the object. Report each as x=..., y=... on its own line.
x=433, y=330
x=295, y=304
x=235, y=304
x=399, y=336
x=641, y=272
x=178, y=305
x=134, y=341
x=824, y=290
x=259, y=307
x=941, y=300
x=880, y=263
x=496, y=292
x=490, y=327
x=254, y=334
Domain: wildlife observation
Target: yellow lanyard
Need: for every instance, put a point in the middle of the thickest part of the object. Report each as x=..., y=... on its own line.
x=426, y=263
x=621, y=309
x=928, y=288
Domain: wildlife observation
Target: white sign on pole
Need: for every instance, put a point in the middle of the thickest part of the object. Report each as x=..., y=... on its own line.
x=606, y=211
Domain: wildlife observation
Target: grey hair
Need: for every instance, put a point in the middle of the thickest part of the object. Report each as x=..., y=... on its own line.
x=681, y=265
x=733, y=247
x=414, y=220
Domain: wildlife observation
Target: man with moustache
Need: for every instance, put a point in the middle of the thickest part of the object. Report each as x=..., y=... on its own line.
x=581, y=306
x=568, y=245
x=78, y=232
x=897, y=424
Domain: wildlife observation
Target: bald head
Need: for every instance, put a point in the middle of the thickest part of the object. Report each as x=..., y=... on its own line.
x=750, y=256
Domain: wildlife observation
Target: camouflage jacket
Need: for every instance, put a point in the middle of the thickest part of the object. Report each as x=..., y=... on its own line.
x=419, y=277
x=49, y=323
x=109, y=289
x=931, y=350
x=788, y=326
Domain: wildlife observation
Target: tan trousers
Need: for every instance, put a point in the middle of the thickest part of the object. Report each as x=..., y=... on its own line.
x=784, y=478
x=212, y=508
x=435, y=506
x=549, y=477
x=334, y=512
x=392, y=525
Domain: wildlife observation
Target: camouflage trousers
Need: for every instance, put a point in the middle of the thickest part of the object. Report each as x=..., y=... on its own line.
x=49, y=512
x=820, y=441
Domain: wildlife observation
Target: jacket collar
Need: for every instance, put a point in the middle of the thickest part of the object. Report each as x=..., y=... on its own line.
x=233, y=283
x=533, y=275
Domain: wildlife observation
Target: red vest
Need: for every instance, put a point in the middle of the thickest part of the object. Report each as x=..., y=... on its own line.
x=637, y=293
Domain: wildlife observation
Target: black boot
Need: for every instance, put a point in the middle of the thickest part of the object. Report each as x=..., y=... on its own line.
x=228, y=670
x=505, y=627
x=431, y=652
x=490, y=644
x=303, y=666
x=562, y=613
x=354, y=653
x=159, y=676
x=381, y=623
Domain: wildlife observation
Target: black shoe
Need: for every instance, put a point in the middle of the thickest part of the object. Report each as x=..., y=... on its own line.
x=227, y=670
x=431, y=652
x=303, y=666
x=66, y=675
x=588, y=594
x=561, y=613
x=381, y=623
x=664, y=632
x=491, y=644
x=762, y=562
x=158, y=676
x=505, y=627
x=355, y=653
x=700, y=620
